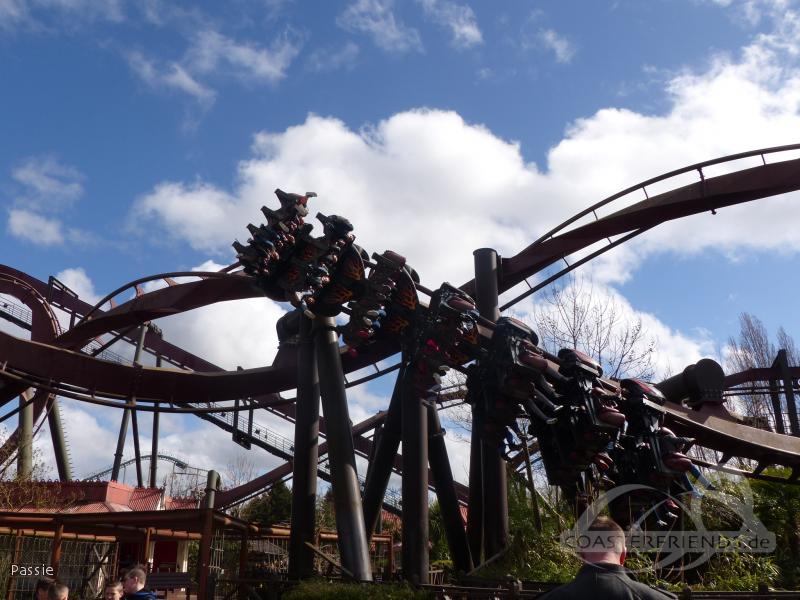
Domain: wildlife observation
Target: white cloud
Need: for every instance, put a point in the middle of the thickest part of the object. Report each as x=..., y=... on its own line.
x=418, y=162
x=344, y=58
x=433, y=187
x=752, y=12
x=376, y=19
x=194, y=212
x=111, y=10
x=432, y=163
x=46, y=186
x=12, y=12
x=79, y=282
x=212, y=52
x=47, y=183
x=563, y=49
x=212, y=56
x=54, y=15
x=458, y=18
x=170, y=77
x=44, y=231
x=228, y=334
x=35, y=228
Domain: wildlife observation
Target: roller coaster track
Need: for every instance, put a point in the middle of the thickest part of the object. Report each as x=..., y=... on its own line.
x=248, y=432
x=181, y=464
x=59, y=368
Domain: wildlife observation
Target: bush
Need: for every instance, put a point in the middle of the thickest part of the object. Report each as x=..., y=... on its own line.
x=323, y=590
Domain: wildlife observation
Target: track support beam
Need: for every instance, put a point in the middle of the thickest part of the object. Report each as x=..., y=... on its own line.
x=306, y=456
x=382, y=461
x=59, y=442
x=25, y=438
x=495, y=485
x=414, y=419
x=353, y=545
x=446, y=493
x=154, y=444
x=126, y=416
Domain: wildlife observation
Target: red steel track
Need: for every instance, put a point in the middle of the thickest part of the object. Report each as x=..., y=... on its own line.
x=53, y=362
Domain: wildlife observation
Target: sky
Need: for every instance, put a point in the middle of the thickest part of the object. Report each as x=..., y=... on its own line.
x=142, y=137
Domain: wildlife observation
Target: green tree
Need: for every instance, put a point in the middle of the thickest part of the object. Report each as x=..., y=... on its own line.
x=436, y=533
x=326, y=516
x=778, y=507
x=272, y=507
x=531, y=555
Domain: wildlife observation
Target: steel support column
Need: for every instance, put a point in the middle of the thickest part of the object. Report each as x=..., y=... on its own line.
x=137, y=451
x=537, y=515
x=475, y=507
x=385, y=450
x=446, y=493
x=25, y=438
x=353, y=546
x=306, y=456
x=123, y=433
x=206, y=535
x=414, y=420
x=495, y=485
x=775, y=397
x=126, y=415
x=788, y=390
x=59, y=442
x=154, y=443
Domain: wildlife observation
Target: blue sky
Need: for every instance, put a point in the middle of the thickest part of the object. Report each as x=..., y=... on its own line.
x=141, y=137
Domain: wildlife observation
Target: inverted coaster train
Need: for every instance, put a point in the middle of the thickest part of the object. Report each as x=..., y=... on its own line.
x=592, y=433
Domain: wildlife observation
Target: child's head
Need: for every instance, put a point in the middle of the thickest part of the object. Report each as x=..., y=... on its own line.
x=113, y=591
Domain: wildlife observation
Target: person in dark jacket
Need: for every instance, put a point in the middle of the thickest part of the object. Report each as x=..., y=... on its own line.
x=133, y=586
x=603, y=577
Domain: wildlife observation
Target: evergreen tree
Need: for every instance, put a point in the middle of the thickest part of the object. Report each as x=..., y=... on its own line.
x=272, y=507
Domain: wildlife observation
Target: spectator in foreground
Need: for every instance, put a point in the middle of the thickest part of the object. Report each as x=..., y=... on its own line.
x=133, y=586
x=603, y=577
x=112, y=591
x=57, y=591
x=42, y=586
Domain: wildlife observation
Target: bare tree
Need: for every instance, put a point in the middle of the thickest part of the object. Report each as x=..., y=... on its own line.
x=239, y=470
x=576, y=315
x=752, y=349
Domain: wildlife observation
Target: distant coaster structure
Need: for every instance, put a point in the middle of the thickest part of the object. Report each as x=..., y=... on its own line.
x=593, y=433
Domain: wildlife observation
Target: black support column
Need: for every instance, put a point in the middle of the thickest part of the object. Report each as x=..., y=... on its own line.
x=353, y=545
x=382, y=460
x=414, y=420
x=154, y=441
x=442, y=475
x=306, y=456
x=126, y=415
x=495, y=486
x=475, y=508
x=791, y=405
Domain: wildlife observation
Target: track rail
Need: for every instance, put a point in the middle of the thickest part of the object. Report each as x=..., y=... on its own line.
x=79, y=374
